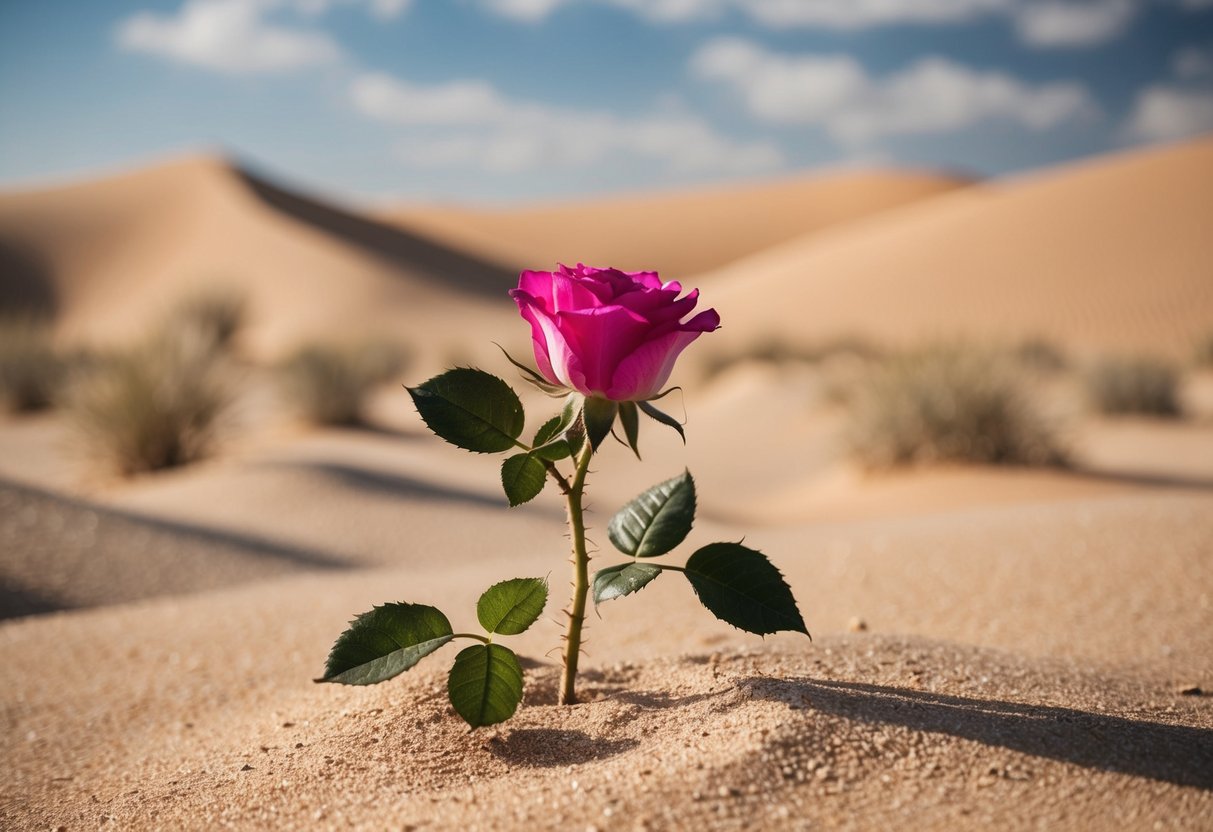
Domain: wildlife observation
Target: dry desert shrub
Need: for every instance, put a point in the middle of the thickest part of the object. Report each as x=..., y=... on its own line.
x=213, y=315
x=328, y=384
x=158, y=405
x=32, y=370
x=779, y=351
x=1202, y=356
x=1041, y=355
x=1119, y=385
x=948, y=403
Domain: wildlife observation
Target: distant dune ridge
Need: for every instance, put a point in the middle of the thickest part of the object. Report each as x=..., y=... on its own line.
x=1104, y=255
x=678, y=233
x=1113, y=254
x=106, y=257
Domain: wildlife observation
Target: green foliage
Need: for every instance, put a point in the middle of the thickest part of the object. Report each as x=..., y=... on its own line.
x=1134, y=385
x=629, y=417
x=948, y=404
x=156, y=406
x=623, y=579
x=385, y=642
x=32, y=371
x=328, y=384
x=664, y=418
x=485, y=684
x=533, y=378
x=470, y=409
x=599, y=417
x=511, y=607
x=656, y=521
x=552, y=440
x=741, y=587
x=523, y=477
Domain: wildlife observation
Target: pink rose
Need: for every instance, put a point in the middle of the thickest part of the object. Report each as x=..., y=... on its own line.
x=606, y=333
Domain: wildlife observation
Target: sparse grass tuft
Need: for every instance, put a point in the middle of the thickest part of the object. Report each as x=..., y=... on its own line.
x=1134, y=385
x=779, y=351
x=946, y=403
x=328, y=384
x=155, y=406
x=1202, y=356
x=1042, y=355
x=32, y=371
x=213, y=316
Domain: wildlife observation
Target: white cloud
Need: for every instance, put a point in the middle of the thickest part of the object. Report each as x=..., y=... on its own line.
x=529, y=11
x=859, y=14
x=830, y=14
x=385, y=98
x=501, y=135
x=1039, y=23
x=1165, y=113
x=933, y=95
x=1067, y=23
x=226, y=35
x=235, y=35
x=1192, y=63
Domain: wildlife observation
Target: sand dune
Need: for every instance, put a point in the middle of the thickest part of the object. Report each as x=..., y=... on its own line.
x=1038, y=644
x=680, y=233
x=1109, y=255
x=107, y=257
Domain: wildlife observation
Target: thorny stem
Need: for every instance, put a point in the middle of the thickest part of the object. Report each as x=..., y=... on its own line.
x=581, y=578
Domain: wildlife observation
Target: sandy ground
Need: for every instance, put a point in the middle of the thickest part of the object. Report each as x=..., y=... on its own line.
x=992, y=648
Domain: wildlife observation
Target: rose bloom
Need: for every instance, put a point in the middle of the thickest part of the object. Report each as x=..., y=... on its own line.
x=606, y=333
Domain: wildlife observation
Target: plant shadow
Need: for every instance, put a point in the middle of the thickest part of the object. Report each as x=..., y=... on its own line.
x=551, y=747
x=1178, y=754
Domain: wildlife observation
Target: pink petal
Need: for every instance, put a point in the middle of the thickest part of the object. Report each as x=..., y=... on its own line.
x=642, y=374
x=539, y=285
x=601, y=338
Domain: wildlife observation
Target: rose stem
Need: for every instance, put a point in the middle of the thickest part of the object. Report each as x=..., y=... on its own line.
x=581, y=578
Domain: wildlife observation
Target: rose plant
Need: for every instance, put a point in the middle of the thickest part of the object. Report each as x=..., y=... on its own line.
x=605, y=341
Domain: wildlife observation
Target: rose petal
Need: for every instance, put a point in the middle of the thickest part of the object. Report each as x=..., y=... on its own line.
x=602, y=337
x=538, y=285
x=564, y=363
x=642, y=374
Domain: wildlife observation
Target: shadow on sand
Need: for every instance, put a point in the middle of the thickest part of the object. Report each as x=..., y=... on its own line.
x=1177, y=754
x=447, y=266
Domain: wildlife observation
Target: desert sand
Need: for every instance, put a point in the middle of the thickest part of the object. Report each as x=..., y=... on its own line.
x=992, y=647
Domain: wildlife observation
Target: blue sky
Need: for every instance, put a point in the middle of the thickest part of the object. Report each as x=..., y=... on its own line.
x=515, y=99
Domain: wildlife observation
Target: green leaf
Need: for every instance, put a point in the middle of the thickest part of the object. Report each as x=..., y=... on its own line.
x=470, y=408
x=523, y=477
x=624, y=579
x=551, y=441
x=656, y=521
x=664, y=418
x=510, y=607
x=631, y=424
x=741, y=587
x=485, y=684
x=598, y=415
x=385, y=642
x=534, y=378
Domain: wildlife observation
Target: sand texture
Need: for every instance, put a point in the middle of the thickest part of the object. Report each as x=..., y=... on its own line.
x=993, y=647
